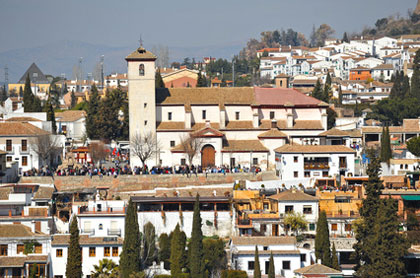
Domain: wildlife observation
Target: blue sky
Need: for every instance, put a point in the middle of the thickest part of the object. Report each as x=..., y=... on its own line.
x=180, y=23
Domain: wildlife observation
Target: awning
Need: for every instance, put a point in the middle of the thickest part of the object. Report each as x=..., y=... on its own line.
x=411, y=197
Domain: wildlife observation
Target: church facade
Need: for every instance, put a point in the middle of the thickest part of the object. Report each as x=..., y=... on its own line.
x=237, y=126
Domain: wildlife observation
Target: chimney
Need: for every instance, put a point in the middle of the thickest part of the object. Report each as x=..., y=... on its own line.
x=207, y=123
x=187, y=119
x=33, y=226
x=222, y=118
x=324, y=122
x=318, y=261
x=255, y=120
x=289, y=120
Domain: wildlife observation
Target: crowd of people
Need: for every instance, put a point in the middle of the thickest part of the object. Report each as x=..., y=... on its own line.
x=89, y=170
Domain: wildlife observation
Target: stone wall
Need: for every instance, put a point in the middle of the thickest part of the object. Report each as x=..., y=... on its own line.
x=135, y=183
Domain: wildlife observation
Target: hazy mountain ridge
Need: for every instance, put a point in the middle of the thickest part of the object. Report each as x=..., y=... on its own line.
x=60, y=57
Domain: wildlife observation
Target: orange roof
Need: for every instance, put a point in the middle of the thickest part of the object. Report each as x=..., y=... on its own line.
x=314, y=149
x=20, y=129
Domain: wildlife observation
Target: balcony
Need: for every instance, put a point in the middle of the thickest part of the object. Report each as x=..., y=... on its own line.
x=316, y=166
x=114, y=232
x=89, y=231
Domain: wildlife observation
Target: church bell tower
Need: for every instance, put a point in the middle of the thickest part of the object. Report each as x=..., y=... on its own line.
x=141, y=95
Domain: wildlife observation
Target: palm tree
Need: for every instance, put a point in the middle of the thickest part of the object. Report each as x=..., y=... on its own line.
x=106, y=269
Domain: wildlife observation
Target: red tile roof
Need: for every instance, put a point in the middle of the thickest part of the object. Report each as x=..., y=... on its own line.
x=283, y=96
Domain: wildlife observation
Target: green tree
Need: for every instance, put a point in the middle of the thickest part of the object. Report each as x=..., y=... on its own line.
x=92, y=114
x=345, y=38
x=322, y=240
x=327, y=89
x=49, y=109
x=195, y=249
x=130, y=256
x=74, y=256
x=108, y=124
x=201, y=80
x=405, y=90
x=412, y=222
x=178, y=253
x=340, y=97
x=331, y=116
x=396, y=90
x=149, y=251
x=73, y=102
x=296, y=222
x=257, y=269
x=234, y=274
x=386, y=151
x=334, y=258
x=415, y=79
x=28, y=97
x=317, y=92
x=164, y=250
x=33, y=271
x=105, y=269
x=126, y=120
x=158, y=80
x=413, y=146
x=214, y=255
x=271, y=270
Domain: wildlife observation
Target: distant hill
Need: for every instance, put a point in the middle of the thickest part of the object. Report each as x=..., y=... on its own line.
x=61, y=56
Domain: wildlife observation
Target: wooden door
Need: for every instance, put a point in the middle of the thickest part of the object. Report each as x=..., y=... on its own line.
x=208, y=156
x=38, y=226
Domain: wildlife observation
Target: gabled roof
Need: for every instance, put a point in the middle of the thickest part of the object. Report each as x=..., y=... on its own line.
x=327, y=149
x=35, y=75
x=244, y=146
x=384, y=67
x=334, y=132
x=17, y=230
x=87, y=240
x=208, y=131
x=264, y=240
x=141, y=54
x=70, y=115
x=20, y=129
x=284, y=96
x=293, y=195
x=317, y=269
x=272, y=133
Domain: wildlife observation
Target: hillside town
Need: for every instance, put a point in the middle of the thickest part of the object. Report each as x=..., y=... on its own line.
x=307, y=164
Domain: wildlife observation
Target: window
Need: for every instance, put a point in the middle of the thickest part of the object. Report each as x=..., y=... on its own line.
x=24, y=145
x=263, y=228
x=272, y=115
x=9, y=159
x=38, y=249
x=24, y=161
x=101, y=227
x=295, y=159
x=115, y=251
x=3, y=250
x=288, y=209
x=203, y=114
x=141, y=69
x=265, y=248
x=273, y=124
x=255, y=161
x=302, y=258
x=59, y=253
x=183, y=161
x=237, y=116
x=296, y=174
x=251, y=265
x=334, y=227
x=286, y=265
x=307, y=174
x=8, y=145
x=20, y=248
x=145, y=123
x=107, y=251
x=325, y=174
x=169, y=116
x=172, y=143
x=347, y=227
x=92, y=251
x=311, y=227
x=145, y=104
x=307, y=209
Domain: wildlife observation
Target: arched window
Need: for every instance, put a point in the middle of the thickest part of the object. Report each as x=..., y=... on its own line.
x=141, y=70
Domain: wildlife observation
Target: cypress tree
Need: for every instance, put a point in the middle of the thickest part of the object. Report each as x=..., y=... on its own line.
x=49, y=109
x=158, y=80
x=130, y=256
x=178, y=254
x=396, y=91
x=322, y=240
x=317, y=92
x=271, y=270
x=92, y=114
x=126, y=122
x=386, y=151
x=340, y=97
x=345, y=38
x=149, y=251
x=201, y=80
x=415, y=79
x=107, y=122
x=365, y=246
x=195, y=251
x=334, y=258
x=28, y=96
x=20, y=92
x=74, y=256
x=164, y=250
x=73, y=100
x=257, y=269
x=405, y=90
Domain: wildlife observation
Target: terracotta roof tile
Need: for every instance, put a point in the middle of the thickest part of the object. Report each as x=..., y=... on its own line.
x=335, y=132
x=307, y=124
x=281, y=96
x=17, y=230
x=272, y=133
x=23, y=119
x=141, y=54
x=316, y=269
x=314, y=149
x=264, y=240
x=4, y=192
x=244, y=146
x=44, y=192
x=19, y=129
x=239, y=125
x=19, y=261
x=293, y=195
x=170, y=125
x=87, y=240
x=70, y=115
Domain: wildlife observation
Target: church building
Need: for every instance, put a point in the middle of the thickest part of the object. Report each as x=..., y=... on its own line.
x=235, y=126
